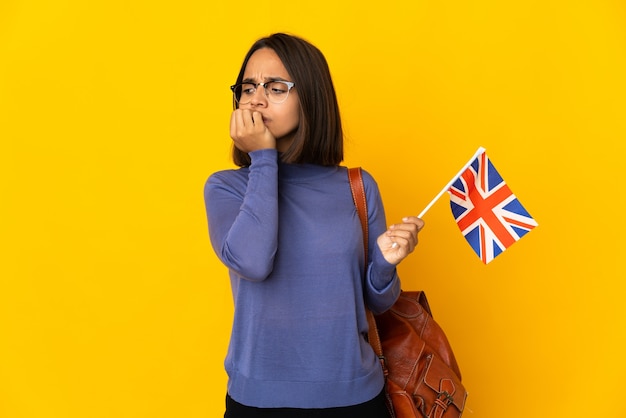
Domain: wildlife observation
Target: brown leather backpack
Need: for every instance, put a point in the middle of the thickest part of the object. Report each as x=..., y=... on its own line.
x=422, y=376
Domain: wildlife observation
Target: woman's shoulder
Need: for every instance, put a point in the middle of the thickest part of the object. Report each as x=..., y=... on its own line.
x=368, y=179
x=234, y=177
x=368, y=176
x=230, y=173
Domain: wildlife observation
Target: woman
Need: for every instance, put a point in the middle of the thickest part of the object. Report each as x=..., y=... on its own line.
x=285, y=225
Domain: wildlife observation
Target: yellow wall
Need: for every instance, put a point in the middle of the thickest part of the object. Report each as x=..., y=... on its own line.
x=113, y=113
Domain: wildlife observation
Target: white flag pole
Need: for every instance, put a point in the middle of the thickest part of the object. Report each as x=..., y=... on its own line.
x=447, y=186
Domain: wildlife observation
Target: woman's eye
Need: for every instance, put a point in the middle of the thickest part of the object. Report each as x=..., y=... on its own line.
x=278, y=88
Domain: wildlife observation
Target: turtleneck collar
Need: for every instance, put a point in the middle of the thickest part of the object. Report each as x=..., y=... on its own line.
x=304, y=172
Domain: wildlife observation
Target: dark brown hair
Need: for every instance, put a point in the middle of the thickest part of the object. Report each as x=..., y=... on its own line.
x=319, y=136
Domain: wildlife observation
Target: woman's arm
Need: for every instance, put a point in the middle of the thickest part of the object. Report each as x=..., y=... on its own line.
x=243, y=216
x=388, y=246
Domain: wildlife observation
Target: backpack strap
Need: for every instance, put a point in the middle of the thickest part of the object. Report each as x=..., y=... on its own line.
x=360, y=201
x=358, y=195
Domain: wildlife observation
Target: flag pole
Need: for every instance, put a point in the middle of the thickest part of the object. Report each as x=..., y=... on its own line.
x=447, y=186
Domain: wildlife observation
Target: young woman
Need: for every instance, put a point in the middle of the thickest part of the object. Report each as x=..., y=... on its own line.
x=285, y=225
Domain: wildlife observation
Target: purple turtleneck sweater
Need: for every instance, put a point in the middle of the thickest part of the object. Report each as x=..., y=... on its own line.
x=291, y=239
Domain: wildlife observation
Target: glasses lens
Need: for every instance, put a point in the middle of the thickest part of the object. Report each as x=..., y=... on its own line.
x=244, y=92
x=277, y=91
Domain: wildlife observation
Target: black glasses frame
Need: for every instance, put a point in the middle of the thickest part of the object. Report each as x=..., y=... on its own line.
x=290, y=85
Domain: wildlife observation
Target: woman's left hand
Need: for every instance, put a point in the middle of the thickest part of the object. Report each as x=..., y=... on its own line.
x=400, y=239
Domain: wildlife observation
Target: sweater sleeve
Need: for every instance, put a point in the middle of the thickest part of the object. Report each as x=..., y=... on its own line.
x=242, y=215
x=382, y=284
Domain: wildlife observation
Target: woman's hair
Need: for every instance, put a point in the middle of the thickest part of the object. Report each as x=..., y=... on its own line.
x=319, y=136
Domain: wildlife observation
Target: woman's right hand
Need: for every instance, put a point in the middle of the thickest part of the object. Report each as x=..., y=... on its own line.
x=248, y=131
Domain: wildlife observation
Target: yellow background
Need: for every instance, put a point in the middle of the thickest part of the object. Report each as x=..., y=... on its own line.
x=113, y=113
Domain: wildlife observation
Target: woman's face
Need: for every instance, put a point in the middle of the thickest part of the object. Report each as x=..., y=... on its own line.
x=281, y=119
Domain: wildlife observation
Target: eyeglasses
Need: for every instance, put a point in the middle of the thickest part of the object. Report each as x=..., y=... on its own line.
x=276, y=91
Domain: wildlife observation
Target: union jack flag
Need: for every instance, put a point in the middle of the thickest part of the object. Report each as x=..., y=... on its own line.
x=488, y=214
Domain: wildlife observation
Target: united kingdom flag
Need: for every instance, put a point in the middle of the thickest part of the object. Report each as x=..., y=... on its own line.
x=488, y=214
